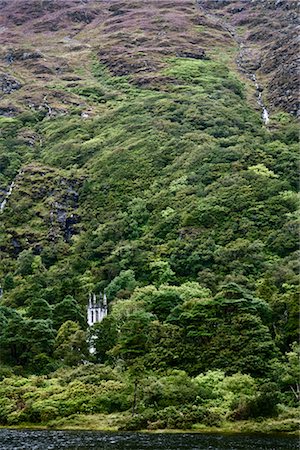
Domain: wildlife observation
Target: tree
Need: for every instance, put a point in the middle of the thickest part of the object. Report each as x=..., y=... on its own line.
x=22, y=340
x=71, y=344
x=132, y=346
x=125, y=281
x=161, y=272
x=167, y=346
x=6, y=314
x=262, y=404
x=103, y=337
x=39, y=309
x=8, y=282
x=291, y=371
x=225, y=333
x=134, y=336
x=163, y=302
x=24, y=262
x=68, y=309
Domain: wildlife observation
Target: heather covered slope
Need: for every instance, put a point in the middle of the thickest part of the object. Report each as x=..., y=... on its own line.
x=141, y=165
x=268, y=30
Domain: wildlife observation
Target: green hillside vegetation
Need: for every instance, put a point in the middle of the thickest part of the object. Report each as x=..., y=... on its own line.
x=177, y=201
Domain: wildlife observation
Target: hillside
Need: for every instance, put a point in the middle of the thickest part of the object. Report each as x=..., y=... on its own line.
x=149, y=149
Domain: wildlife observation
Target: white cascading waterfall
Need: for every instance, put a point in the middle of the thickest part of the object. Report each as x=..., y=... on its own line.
x=265, y=113
x=7, y=195
x=9, y=191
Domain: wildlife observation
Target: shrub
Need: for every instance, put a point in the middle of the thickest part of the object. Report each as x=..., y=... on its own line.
x=263, y=404
x=174, y=418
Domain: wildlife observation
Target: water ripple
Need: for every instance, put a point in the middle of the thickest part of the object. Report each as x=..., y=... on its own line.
x=85, y=440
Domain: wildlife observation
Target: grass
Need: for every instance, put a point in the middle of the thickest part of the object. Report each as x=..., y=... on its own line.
x=99, y=422
x=112, y=422
x=263, y=426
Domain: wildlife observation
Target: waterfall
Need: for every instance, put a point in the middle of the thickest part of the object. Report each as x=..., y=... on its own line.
x=265, y=116
x=265, y=113
x=240, y=59
x=9, y=191
x=7, y=195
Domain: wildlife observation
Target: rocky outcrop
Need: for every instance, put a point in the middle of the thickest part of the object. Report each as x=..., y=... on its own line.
x=19, y=54
x=8, y=84
x=282, y=69
x=8, y=111
x=42, y=194
x=196, y=54
x=82, y=16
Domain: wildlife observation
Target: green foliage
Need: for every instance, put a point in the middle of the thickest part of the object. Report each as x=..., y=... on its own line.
x=171, y=400
x=175, y=200
x=218, y=390
x=25, y=262
x=8, y=282
x=161, y=272
x=124, y=282
x=39, y=309
x=225, y=333
x=88, y=389
x=66, y=310
x=24, y=342
x=263, y=404
x=133, y=340
x=71, y=344
x=287, y=374
x=103, y=337
x=172, y=417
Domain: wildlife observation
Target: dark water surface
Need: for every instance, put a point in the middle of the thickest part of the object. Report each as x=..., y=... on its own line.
x=85, y=440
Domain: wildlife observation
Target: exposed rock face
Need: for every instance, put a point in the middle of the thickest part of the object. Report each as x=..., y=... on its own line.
x=63, y=211
x=19, y=54
x=200, y=54
x=42, y=194
x=8, y=84
x=8, y=111
x=281, y=64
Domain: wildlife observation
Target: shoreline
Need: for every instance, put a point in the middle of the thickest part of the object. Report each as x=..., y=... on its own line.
x=246, y=429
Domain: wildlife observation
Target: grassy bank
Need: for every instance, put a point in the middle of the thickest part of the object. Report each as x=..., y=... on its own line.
x=113, y=422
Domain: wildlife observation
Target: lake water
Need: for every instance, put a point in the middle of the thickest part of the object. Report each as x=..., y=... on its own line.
x=85, y=440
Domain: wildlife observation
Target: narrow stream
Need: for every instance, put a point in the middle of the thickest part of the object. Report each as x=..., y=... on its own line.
x=9, y=191
x=265, y=113
x=6, y=197
x=240, y=60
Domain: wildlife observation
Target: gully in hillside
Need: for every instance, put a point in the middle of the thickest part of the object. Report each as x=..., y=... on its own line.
x=241, y=61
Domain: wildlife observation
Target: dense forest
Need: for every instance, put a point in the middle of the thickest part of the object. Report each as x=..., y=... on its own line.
x=134, y=161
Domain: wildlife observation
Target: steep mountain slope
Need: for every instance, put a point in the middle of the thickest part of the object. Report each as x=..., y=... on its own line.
x=133, y=100
x=134, y=158
x=268, y=30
